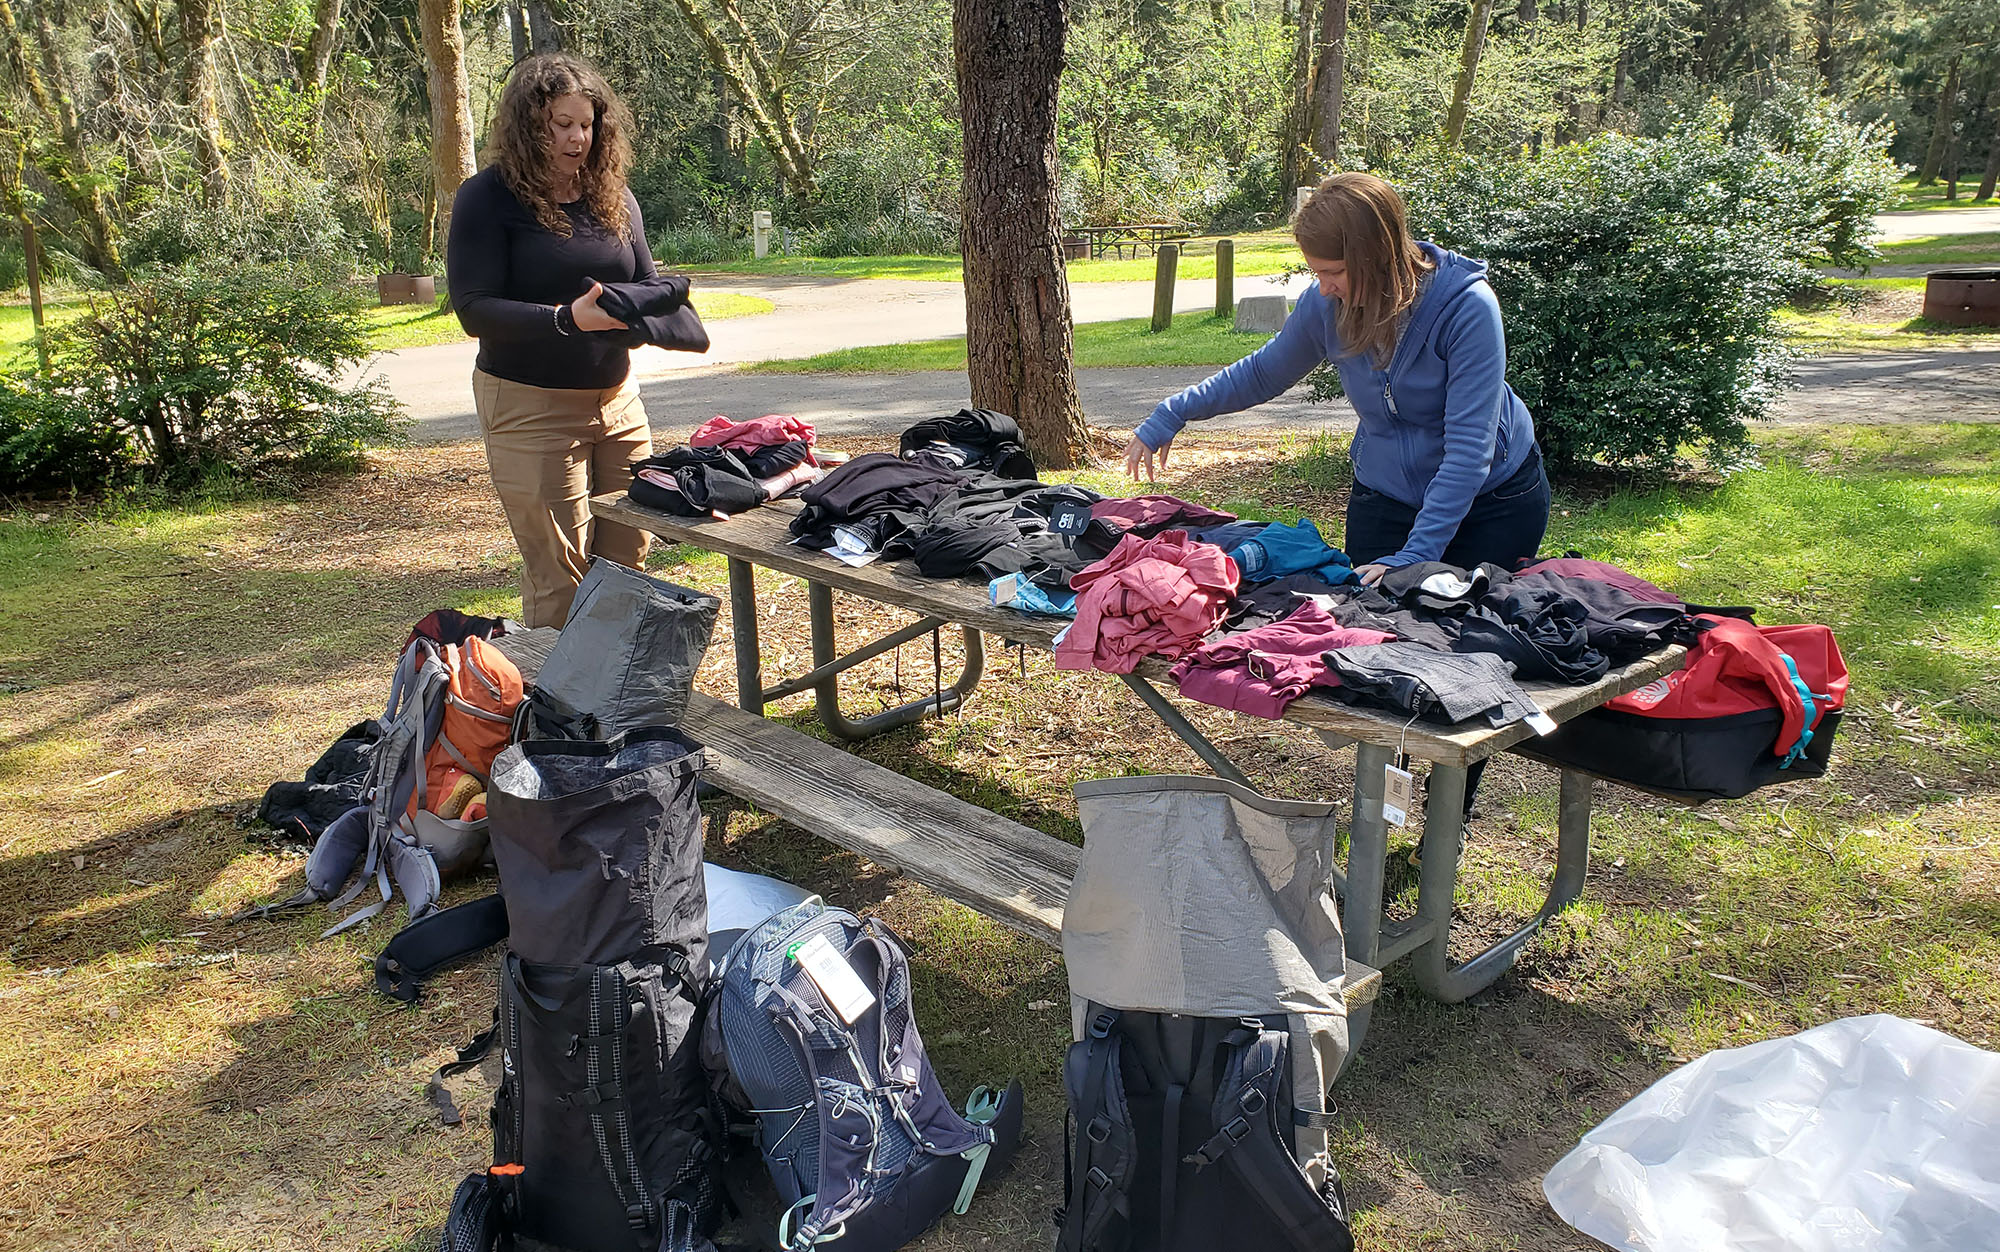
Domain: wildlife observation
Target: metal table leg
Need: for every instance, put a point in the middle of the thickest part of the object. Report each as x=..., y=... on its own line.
x=1185, y=731
x=743, y=634
x=1444, y=839
x=1367, y=858
x=826, y=693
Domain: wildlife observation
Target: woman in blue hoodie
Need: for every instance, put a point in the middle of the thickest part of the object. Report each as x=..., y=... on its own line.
x=1445, y=462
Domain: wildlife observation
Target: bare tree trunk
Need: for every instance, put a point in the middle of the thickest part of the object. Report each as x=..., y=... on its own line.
x=796, y=173
x=517, y=30
x=319, y=49
x=1476, y=19
x=1941, y=125
x=451, y=105
x=67, y=164
x=1298, y=123
x=1008, y=55
x=771, y=83
x=544, y=34
x=12, y=171
x=1329, y=86
x=201, y=27
x=1528, y=12
x=1992, y=174
x=1826, y=43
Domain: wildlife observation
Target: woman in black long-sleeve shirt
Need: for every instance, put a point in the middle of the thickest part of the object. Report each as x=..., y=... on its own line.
x=533, y=237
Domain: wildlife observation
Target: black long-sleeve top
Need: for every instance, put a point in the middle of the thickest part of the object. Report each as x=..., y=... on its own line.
x=508, y=272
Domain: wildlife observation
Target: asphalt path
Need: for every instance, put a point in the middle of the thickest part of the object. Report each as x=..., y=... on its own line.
x=816, y=315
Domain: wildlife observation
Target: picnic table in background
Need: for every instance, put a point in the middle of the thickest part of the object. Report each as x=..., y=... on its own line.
x=1141, y=237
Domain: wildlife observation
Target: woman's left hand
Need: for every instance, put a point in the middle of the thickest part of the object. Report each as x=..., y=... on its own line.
x=1371, y=573
x=588, y=316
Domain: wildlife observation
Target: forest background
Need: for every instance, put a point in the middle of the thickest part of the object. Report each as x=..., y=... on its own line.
x=135, y=132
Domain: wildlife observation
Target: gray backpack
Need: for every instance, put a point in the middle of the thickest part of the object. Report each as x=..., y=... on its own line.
x=1205, y=967
x=864, y=1148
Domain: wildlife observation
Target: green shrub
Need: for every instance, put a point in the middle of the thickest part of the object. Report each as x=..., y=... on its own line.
x=48, y=439
x=903, y=234
x=697, y=244
x=188, y=371
x=288, y=218
x=1640, y=278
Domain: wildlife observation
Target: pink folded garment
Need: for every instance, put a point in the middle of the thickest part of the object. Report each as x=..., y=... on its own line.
x=1155, y=512
x=758, y=432
x=1158, y=595
x=1262, y=671
x=1599, y=571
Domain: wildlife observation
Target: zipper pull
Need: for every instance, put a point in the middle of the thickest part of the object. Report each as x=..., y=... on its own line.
x=1389, y=397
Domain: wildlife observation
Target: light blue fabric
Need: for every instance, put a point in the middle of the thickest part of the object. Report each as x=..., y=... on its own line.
x=1280, y=550
x=1437, y=428
x=1030, y=598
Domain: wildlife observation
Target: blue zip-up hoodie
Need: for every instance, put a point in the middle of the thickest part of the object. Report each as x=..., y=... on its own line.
x=1438, y=427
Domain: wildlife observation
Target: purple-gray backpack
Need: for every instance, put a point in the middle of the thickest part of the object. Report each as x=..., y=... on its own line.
x=814, y=1027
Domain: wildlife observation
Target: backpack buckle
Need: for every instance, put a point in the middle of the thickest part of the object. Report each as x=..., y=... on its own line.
x=1251, y=1101
x=1097, y=1178
x=1098, y=1130
x=1102, y=1022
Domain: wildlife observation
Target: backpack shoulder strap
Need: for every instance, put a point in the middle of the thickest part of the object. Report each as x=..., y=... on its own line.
x=1101, y=1152
x=1253, y=1130
x=431, y=943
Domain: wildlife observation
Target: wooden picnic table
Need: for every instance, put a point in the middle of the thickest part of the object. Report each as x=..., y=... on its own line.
x=1020, y=876
x=1138, y=236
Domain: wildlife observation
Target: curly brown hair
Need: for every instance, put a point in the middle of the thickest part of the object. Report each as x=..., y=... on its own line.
x=520, y=142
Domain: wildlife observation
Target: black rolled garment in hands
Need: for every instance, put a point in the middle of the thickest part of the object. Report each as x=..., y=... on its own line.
x=655, y=311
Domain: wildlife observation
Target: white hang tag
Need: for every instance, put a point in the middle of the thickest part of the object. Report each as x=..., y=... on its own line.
x=1399, y=795
x=841, y=987
x=1541, y=723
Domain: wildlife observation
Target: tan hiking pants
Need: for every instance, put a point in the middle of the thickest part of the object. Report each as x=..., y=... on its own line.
x=550, y=450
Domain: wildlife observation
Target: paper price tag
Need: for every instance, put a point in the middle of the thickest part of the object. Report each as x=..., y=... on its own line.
x=838, y=984
x=1399, y=795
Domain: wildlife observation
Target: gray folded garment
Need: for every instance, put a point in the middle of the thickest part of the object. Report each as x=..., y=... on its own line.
x=1438, y=686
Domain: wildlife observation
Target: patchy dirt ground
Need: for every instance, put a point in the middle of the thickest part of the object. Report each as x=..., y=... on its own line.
x=177, y=1082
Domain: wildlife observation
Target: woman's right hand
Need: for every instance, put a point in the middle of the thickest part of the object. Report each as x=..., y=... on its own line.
x=588, y=316
x=1140, y=457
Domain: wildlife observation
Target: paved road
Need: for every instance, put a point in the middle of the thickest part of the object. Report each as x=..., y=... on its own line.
x=813, y=315
x=1863, y=388
x=1918, y=225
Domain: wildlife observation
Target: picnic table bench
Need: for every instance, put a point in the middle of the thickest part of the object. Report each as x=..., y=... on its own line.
x=1020, y=876
x=1141, y=237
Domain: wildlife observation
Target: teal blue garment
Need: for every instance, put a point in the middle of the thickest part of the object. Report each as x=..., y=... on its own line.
x=1280, y=550
x=1030, y=598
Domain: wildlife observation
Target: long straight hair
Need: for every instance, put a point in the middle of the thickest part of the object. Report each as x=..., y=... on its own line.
x=520, y=142
x=1359, y=219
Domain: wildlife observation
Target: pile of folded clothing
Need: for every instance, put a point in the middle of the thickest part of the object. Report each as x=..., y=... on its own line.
x=728, y=467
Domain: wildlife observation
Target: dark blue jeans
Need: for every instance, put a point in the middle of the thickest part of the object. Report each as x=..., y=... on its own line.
x=1504, y=525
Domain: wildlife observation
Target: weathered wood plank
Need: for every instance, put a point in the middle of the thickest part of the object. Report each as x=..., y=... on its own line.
x=1010, y=872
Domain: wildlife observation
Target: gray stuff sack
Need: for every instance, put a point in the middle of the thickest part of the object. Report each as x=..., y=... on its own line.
x=628, y=652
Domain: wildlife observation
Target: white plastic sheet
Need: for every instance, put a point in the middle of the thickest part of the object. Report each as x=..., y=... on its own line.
x=1869, y=1133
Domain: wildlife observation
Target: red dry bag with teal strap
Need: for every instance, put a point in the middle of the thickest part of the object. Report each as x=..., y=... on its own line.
x=1752, y=706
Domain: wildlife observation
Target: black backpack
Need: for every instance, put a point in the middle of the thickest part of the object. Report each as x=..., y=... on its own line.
x=1197, y=1082
x=1181, y=1134
x=603, y=1136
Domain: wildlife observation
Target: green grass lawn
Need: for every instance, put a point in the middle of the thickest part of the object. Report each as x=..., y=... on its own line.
x=161, y=662
x=1257, y=253
x=1885, y=318
x=1196, y=339
x=1981, y=248
x=1911, y=197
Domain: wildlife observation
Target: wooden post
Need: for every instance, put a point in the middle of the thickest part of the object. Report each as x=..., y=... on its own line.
x=1169, y=256
x=33, y=248
x=1225, y=277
